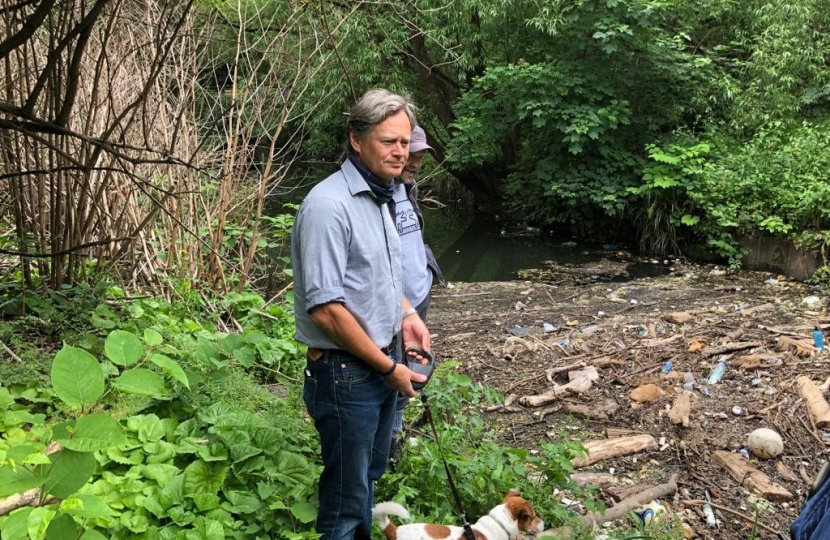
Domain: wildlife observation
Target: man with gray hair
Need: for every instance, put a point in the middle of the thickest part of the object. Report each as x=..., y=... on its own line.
x=349, y=307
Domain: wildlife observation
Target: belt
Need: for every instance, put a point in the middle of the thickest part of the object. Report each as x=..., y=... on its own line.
x=315, y=354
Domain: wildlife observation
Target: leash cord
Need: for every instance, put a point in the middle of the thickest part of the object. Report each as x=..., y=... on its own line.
x=468, y=530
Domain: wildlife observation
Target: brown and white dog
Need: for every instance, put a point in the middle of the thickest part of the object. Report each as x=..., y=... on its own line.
x=504, y=522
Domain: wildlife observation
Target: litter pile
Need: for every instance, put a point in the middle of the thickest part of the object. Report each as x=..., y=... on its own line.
x=703, y=391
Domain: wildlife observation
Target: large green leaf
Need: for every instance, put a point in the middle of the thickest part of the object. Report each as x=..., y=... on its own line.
x=201, y=477
x=19, y=480
x=39, y=521
x=62, y=528
x=171, y=367
x=123, y=348
x=69, y=473
x=92, y=534
x=90, y=506
x=152, y=337
x=304, y=511
x=77, y=377
x=97, y=431
x=15, y=527
x=140, y=381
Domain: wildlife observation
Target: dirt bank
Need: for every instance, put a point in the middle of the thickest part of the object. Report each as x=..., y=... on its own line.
x=519, y=337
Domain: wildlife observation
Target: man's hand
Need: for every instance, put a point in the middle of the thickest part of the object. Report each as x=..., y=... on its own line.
x=416, y=334
x=402, y=378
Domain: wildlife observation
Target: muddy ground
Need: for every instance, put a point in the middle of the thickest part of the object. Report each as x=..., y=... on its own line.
x=514, y=335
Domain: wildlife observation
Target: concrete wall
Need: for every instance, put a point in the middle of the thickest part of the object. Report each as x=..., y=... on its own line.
x=778, y=255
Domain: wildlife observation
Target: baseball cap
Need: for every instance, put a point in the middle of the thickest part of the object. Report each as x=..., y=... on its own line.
x=418, y=140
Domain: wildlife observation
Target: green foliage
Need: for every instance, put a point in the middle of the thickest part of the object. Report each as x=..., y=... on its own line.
x=482, y=469
x=670, y=183
x=220, y=471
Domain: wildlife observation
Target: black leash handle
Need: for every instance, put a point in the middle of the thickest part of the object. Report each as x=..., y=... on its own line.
x=468, y=530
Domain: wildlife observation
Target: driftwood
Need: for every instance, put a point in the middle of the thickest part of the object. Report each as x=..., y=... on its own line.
x=514, y=346
x=755, y=361
x=748, y=476
x=658, y=342
x=818, y=407
x=625, y=506
x=601, y=449
x=550, y=372
x=461, y=336
x=580, y=382
x=800, y=347
x=730, y=347
x=598, y=479
x=681, y=409
x=585, y=411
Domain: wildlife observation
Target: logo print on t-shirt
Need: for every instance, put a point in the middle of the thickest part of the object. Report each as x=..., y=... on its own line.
x=406, y=221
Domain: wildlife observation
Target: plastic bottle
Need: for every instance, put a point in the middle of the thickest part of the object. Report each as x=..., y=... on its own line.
x=717, y=372
x=818, y=338
x=711, y=521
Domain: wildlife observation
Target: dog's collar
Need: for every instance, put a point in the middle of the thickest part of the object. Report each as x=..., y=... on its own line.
x=500, y=524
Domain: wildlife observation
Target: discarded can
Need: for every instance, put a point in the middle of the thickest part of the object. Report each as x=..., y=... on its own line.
x=648, y=512
x=717, y=372
x=818, y=338
x=711, y=521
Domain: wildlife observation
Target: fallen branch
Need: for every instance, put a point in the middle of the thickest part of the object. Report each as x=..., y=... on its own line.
x=730, y=347
x=601, y=449
x=11, y=352
x=580, y=382
x=818, y=407
x=750, y=519
x=627, y=505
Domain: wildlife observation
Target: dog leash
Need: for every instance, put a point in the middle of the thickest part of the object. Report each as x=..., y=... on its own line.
x=468, y=530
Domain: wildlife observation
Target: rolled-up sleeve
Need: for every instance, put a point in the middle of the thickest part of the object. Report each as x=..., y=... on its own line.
x=323, y=248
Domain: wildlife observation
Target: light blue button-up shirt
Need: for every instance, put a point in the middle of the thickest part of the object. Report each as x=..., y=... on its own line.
x=345, y=248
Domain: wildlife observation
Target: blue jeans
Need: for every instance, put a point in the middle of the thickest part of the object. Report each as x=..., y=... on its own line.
x=352, y=408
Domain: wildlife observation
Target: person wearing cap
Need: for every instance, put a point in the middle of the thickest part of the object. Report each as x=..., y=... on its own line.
x=420, y=268
x=350, y=310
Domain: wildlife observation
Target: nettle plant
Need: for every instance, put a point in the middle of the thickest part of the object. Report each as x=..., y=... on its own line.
x=210, y=474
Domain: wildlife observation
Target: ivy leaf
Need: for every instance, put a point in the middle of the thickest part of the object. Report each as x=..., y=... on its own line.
x=77, y=377
x=160, y=472
x=201, y=477
x=97, y=431
x=171, y=367
x=243, y=502
x=140, y=381
x=69, y=473
x=123, y=348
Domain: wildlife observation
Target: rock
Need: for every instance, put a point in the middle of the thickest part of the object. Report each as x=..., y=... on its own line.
x=765, y=443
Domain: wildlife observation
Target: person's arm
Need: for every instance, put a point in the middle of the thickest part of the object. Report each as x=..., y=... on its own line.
x=336, y=321
x=414, y=331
